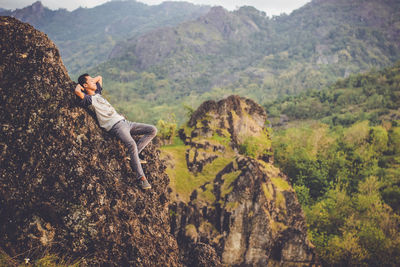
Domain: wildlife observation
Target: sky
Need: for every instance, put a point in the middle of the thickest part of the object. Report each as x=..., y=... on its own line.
x=271, y=7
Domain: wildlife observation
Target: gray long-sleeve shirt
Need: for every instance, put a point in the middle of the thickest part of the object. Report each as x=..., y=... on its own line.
x=105, y=113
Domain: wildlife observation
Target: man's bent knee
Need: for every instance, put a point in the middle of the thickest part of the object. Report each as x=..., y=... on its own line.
x=153, y=131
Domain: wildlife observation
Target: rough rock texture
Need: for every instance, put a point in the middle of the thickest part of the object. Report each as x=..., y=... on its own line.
x=241, y=117
x=65, y=185
x=248, y=212
x=36, y=14
x=201, y=255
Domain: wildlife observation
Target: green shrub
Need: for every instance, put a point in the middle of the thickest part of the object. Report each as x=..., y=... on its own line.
x=166, y=131
x=256, y=146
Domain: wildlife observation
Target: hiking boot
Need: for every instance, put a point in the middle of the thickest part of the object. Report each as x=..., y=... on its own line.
x=144, y=184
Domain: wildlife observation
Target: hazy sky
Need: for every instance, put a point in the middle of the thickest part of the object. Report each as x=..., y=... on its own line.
x=271, y=7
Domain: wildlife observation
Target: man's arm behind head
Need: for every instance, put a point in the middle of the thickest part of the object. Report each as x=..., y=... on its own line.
x=99, y=80
x=79, y=91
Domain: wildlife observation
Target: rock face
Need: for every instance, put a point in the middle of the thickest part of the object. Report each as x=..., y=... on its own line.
x=234, y=118
x=65, y=185
x=248, y=212
x=36, y=14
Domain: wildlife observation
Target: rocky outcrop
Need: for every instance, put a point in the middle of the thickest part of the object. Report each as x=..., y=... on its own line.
x=235, y=118
x=248, y=212
x=36, y=14
x=65, y=185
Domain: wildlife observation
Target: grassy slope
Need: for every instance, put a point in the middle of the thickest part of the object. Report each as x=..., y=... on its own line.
x=182, y=181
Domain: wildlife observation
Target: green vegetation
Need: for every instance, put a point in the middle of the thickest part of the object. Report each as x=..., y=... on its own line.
x=207, y=195
x=268, y=191
x=346, y=173
x=256, y=146
x=228, y=179
x=264, y=60
x=341, y=146
x=341, y=155
x=48, y=260
x=270, y=169
x=230, y=206
x=277, y=227
x=280, y=184
x=356, y=230
x=166, y=131
x=374, y=96
x=280, y=201
x=185, y=182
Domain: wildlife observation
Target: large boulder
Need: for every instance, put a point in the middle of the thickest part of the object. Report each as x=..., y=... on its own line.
x=65, y=184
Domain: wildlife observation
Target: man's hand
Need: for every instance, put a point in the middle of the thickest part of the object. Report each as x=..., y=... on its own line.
x=98, y=79
x=78, y=91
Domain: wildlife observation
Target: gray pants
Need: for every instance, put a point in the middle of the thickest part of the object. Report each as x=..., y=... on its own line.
x=124, y=130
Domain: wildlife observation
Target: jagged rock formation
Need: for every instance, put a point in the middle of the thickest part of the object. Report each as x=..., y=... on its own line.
x=36, y=14
x=234, y=118
x=65, y=186
x=248, y=212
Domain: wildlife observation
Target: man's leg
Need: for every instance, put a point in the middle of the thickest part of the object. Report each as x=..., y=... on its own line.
x=148, y=131
x=122, y=131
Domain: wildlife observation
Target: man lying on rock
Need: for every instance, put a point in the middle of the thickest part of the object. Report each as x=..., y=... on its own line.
x=89, y=91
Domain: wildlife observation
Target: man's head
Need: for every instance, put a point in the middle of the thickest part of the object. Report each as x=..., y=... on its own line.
x=87, y=82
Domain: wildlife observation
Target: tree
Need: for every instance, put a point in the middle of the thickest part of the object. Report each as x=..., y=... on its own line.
x=166, y=131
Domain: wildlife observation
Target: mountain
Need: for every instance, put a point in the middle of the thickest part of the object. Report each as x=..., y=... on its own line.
x=86, y=36
x=228, y=194
x=36, y=14
x=246, y=53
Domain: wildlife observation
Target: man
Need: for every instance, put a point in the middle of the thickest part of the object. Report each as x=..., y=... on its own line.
x=89, y=91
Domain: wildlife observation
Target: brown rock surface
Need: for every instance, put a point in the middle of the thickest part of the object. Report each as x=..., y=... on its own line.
x=241, y=117
x=65, y=187
x=248, y=212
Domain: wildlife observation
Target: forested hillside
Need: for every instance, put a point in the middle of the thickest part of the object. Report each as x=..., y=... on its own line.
x=86, y=36
x=374, y=96
x=340, y=147
x=247, y=53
